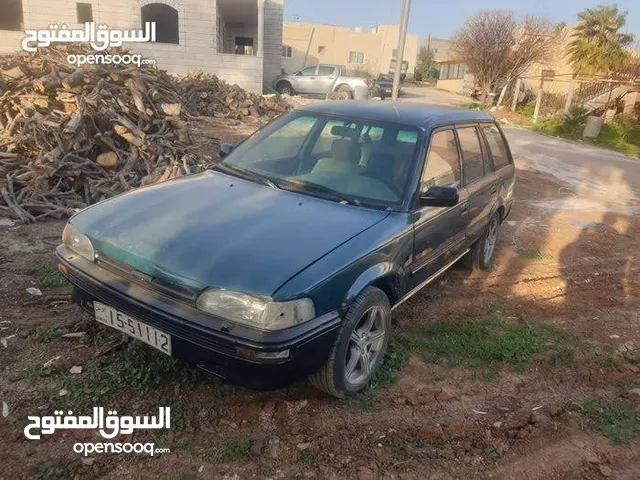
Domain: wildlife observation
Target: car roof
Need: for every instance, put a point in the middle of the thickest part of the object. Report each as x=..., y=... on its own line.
x=407, y=113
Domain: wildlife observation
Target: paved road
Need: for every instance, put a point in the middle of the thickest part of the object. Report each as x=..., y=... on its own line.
x=608, y=177
x=596, y=173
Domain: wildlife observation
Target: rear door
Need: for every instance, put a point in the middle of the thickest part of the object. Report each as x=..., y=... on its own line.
x=305, y=79
x=479, y=180
x=325, y=79
x=501, y=161
x=439, y=232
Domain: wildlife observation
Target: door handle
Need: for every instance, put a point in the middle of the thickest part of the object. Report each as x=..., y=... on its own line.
x=494, y=189
x=464, y=208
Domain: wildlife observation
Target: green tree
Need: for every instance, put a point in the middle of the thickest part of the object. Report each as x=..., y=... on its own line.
x=597, y=46
x=425, y=64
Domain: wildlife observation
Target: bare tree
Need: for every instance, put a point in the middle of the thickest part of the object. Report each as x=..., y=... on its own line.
x=497, y=48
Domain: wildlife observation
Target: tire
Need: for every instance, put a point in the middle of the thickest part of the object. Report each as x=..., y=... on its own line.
x=346, y=89
x=285, y=88
x=366, y=328
x=480, y=257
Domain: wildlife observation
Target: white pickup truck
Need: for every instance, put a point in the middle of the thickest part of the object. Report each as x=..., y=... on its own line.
x=320, y=80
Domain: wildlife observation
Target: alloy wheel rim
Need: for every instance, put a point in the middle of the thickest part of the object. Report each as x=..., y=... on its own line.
x=490, y=241
x=365, y=346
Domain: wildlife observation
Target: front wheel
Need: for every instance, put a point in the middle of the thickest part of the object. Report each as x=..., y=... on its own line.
x=359, y=348
x=481, y=254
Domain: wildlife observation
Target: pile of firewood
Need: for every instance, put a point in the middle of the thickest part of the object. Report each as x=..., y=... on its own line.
x=207, y=95
x=70, y=137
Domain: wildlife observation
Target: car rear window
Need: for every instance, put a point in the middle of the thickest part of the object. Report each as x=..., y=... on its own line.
x=472, y=165
x=496, y=146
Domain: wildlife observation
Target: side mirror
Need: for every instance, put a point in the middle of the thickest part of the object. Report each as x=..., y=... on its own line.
x=297, y=74
x=439, y=197
x=225, y=149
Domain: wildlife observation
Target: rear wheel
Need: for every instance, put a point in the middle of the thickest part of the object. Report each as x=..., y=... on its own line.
x=481, y=254
x=359, y=348
x=285, y=88
x=345, y=89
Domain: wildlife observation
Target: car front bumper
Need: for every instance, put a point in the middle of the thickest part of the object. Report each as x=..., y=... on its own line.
x=220, y=348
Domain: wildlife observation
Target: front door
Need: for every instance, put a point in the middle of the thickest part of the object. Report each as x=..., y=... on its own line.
x=439, y=232
x=325, y=79
x=305, y=79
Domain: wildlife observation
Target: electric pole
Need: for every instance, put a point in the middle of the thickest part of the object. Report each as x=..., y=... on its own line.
x=404, y=22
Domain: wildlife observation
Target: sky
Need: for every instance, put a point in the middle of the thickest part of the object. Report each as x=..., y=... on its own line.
x=442, y=18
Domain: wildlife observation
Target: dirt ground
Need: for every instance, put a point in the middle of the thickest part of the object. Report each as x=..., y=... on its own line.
x=563, y=406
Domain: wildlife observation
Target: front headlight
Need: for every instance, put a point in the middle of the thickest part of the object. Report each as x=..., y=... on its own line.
x=259, y=312
x=78, y=242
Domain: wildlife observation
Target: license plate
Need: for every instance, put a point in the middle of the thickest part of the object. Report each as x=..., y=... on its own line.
x=132, y=327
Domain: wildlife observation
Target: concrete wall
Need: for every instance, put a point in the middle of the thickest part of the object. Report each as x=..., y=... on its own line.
x=377, y=45
x=198, y=43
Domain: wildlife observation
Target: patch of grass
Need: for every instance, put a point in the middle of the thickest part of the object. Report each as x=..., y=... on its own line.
x=54, y=471
x=472, y=105
x=622, y=136
x=234, y=450
x=179, y=418
x=531, y=254
x=305, y=458
x=46, y=334
x=612, y=360
x=493, y=452
x=527, y=111
x=137, y=366
x=51, y=277
x=403, y=448
x=387, y=374
x=617, y=421
x=484, y=342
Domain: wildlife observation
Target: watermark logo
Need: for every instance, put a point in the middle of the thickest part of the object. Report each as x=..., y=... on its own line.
x=99, y=36
x=108, y=426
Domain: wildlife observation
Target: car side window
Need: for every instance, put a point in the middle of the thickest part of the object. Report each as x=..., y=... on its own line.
x=324, y=71
x=472, y=161
x=309, y=71
x=496, y=146
x=442, y=168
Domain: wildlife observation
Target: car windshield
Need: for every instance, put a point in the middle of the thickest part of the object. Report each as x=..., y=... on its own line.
x=344, y=159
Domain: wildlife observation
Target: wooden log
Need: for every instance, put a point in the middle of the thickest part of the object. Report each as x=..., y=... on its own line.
x=73, y=125
x=171, y=109
x=125, y=133
x=14, y=73
x=137, y=95
x=74, y=78
x=48, y=82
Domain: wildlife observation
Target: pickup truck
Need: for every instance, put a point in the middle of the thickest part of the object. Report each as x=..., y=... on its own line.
x=319, y=80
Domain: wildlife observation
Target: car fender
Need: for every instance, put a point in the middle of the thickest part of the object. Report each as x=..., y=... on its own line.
x=369, y=277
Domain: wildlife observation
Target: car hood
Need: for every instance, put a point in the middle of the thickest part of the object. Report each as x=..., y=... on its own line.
x=213, y=229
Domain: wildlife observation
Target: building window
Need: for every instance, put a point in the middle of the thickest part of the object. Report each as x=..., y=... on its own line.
x=11, y=18
x=244, y=46
x=452, y=71
x=84, y=12
x=356, y=57
x=320, y=49
x=166, y=19
x=286, y=51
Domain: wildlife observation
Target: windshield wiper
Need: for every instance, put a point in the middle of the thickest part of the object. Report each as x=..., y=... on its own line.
x=321, y=190
x=246, y=174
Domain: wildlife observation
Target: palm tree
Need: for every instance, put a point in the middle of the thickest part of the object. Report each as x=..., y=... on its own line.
x=597, y=46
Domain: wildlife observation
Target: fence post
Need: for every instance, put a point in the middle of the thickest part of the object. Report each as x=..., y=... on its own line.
x=572, y=87
x=536, y=112
x=516, y=93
